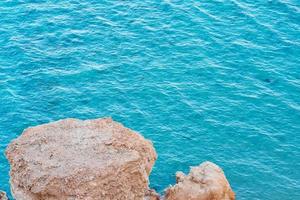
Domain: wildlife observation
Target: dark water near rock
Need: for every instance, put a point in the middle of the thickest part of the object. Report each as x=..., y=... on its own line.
x=204, y=80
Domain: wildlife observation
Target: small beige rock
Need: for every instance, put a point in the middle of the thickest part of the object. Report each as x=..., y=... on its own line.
x=3, y=195
x=73, y=159
x=205, y=182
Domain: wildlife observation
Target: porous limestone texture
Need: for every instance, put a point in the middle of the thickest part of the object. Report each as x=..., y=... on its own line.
x=151, y=195
x=73, y=159
x=3, y=195
x=204, y=182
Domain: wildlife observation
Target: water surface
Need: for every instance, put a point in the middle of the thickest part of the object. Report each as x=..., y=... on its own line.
x=204, y=80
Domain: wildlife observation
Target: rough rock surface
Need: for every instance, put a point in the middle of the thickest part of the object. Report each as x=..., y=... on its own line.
x=204, y=182
x=3, y=196
x=74, y=159
x=151, y=195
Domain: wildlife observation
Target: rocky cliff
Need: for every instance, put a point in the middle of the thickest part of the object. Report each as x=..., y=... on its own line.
x=98, y=159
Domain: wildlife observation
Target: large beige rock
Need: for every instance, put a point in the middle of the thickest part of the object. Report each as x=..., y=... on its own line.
x=205, y=182
x=73, y=159
x=3, y=195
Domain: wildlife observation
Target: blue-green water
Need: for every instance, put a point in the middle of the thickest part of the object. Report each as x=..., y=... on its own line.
x=204, y=80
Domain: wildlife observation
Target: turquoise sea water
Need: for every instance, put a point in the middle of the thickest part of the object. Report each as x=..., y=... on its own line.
x=204, y=80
